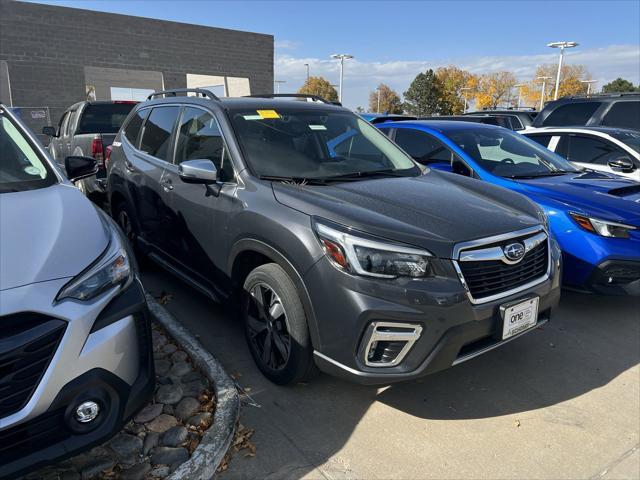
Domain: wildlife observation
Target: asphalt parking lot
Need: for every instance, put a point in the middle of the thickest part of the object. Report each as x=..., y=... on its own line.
x=561, y=402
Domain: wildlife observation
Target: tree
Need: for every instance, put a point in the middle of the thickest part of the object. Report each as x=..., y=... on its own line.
x=491, y=89
x=570, y=83
x=384, y=100
x=319, y=86
x=424, y=96
x=453, y=80
x=620, y=85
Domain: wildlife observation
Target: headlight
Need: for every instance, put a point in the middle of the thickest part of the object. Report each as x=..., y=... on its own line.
x=112, y=269
x=604, y=228
x=373, y=258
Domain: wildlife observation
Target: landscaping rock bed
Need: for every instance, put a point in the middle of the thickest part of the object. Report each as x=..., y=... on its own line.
x=162, y=436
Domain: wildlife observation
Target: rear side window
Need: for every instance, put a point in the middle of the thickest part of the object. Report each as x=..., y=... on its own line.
x=572, y=114
x=199, y=138
x=156, y=136
x=623, y=114
x=422, y=147
x=103, y=117
x=132, y=129
x=541, y=139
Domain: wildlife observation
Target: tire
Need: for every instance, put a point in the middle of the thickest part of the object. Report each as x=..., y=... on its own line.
x=277, y=336
x=122, y=215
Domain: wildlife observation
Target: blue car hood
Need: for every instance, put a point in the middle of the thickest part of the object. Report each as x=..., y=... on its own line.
x=599, y=194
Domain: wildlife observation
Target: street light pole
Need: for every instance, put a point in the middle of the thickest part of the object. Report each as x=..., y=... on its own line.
x=519, y=86
x=342, y=57
x=561, y=46
x=464, y=97
x=588, y=82
x=278, y=82
x=307, y=65
x=544, y=89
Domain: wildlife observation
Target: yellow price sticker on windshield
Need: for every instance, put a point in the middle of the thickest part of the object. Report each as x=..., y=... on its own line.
x=268, y=113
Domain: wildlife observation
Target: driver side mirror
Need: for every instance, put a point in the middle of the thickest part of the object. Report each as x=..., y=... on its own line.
x=622, y=164
x=198, y=171
x=50, y=131
x=80, y=167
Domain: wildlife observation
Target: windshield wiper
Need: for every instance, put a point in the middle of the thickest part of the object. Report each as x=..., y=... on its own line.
x=294, y=180
x=366, y=174
x=539, y=175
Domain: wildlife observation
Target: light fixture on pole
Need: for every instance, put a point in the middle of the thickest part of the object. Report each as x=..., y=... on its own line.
x=342, y=57
x=519, y=87
x=543, y=90
x=588, y=82
x=561, y=46
x=307, y=65
x=277, y=83
x=464, y=97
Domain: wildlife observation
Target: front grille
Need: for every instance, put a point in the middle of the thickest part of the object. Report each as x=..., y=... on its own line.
x=493, y=277
x=28, y=341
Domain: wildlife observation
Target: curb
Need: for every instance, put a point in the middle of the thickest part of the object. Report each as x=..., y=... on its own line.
x=216, y=441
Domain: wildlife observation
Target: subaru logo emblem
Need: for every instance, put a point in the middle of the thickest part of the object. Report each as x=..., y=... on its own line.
x=513, y=252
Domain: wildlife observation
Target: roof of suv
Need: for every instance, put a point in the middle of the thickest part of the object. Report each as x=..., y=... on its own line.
x=248, y=103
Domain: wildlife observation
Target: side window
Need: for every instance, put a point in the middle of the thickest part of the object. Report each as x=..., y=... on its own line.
x=572, y=114
x=156, y=135
x=541, y=139
x=591, y=150
x=199, y=137
x=623, y=114
x=132, y=129
x=386, y=131
x=422, y=147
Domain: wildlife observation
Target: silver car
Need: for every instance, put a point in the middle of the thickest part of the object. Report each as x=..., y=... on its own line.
x=75, y=356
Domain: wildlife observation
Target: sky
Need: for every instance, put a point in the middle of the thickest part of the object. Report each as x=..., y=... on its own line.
x=394, y=41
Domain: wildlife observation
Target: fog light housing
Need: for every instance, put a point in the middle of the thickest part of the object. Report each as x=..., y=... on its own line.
x=385, y=344
x=87, y=411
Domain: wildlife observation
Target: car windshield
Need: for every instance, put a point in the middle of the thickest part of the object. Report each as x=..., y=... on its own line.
x=509, y=154
x=317, y=144
x=21, y=168
x=631, y=139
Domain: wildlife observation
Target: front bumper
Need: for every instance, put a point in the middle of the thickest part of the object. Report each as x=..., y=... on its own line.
x=104, y=355
x=453, y=329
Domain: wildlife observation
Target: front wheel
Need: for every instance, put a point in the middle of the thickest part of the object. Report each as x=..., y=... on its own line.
x=276, y=326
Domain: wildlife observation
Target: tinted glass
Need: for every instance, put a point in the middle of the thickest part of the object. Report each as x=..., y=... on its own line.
x=200, y=138
x=592, y=150
x=509, y=154
x=631, y=139
x=316, y=144
x=132, y=129
x=572, y=114
x=541, y=139
x=20, y=166
x=421, y=146
x=156, y=135
x=103, y=117
x=623, y=114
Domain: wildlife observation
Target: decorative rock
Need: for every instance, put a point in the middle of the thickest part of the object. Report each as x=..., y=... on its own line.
x=162, y=423
x=160, y=471
x=148, y=413
x=162, y=366
x=151, y=440
x=193, y=389
x=201, y=420
x=134, y=428
x=169, y=394
x=191, y=376
x=186, y=408
x=169, y=349
x=175, y=436
x=137, y=472
x=179, y=356
x=169, y=455
x=95, y=468
x=126, y=446
x=179, y=369
x=168, y=409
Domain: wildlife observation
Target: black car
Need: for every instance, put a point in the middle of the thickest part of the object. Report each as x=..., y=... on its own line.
x=520, y=119
x=498, y=120
x=341, y=249
x=610, y=110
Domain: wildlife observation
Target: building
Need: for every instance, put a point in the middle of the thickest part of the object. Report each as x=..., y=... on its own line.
x=52, y=57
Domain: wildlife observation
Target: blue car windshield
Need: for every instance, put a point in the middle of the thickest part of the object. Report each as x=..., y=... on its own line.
x=508, y=154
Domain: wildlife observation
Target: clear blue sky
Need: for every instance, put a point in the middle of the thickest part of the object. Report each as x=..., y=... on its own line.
x=393, y=41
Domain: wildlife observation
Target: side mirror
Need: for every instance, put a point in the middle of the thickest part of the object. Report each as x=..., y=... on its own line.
x=622, y=164
x=80, y=167
x=50, y=131
x=198, y=171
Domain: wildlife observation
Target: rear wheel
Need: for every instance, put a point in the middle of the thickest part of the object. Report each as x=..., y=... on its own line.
x=121, y=213
x=276, y=326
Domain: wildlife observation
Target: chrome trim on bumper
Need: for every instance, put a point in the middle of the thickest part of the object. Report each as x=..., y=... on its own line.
x=375, y=335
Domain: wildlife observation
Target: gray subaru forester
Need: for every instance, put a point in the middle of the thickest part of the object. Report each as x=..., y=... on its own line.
x=341, y=251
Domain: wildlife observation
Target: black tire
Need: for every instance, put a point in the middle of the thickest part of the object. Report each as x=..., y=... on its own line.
x=276, y=333
x=119, y=212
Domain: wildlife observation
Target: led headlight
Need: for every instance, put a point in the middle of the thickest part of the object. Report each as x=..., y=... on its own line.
x=373, y=258
x=112, y=269
x=604, y=228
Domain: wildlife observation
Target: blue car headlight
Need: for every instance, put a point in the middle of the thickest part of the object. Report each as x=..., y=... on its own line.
x=604, y=228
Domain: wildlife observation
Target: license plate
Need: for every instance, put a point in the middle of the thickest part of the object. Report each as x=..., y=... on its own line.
x=519, y=317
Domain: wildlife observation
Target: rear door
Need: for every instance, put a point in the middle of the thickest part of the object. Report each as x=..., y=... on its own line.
x=590, y=151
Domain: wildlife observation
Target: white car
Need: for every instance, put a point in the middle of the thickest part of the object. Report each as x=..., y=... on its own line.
x=608, y=149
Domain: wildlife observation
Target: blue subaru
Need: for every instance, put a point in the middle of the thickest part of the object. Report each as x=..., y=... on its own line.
x=595, y=216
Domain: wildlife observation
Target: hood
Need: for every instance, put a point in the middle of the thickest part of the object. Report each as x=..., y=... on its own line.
x=434, y=211
x=597, y=193
x=47, y=234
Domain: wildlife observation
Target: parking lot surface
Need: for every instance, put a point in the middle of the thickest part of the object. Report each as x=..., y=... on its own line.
x=561, y=402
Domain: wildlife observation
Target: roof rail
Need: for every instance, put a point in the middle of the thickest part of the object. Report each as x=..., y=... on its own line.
x=315, y=98
x=601, y=94
x=176, y=91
